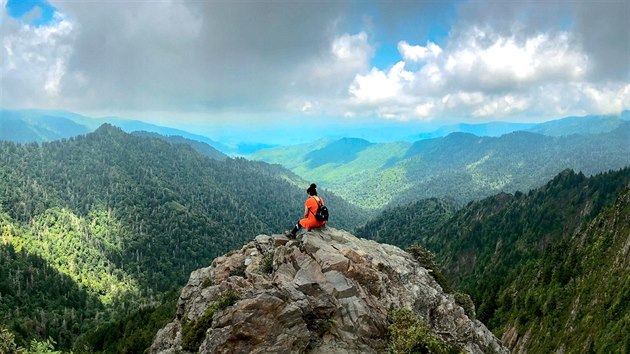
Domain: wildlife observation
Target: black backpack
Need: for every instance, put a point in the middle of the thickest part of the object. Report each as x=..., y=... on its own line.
x=322, y=211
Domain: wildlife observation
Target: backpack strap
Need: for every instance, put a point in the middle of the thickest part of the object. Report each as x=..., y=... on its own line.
x=318, y=200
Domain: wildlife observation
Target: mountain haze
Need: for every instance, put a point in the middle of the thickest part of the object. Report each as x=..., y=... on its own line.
x=200, y=147
x=24, y=126
x=460, y=166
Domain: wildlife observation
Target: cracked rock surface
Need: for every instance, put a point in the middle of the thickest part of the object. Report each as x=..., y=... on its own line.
x=326, y=292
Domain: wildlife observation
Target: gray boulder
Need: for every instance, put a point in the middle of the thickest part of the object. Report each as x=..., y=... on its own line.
x=326, y=292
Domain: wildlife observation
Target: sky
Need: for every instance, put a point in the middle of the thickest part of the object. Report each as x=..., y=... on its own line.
x=219, y=66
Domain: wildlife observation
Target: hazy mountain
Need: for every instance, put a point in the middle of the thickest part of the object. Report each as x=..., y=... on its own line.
x=337, y=152
x=545, y=268
x=42, y=125
x=32, y=126
x=589, y=124
x=198, y=146
x=493, y=129
x=460, y=166
x=592, y=124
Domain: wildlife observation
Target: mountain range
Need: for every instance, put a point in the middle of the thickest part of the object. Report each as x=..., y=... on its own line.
x=460, y=166
x=24, y=126
x=126, y=218
x=30, y=125
x=536, y=264
x=100, y=228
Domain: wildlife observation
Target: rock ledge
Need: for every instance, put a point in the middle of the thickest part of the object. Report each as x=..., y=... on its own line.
x=326, y=292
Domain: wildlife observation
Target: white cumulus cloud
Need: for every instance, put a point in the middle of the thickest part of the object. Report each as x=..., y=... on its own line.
x=377, y=85
x=34, y=61
x=483, y=74
x=414, y=53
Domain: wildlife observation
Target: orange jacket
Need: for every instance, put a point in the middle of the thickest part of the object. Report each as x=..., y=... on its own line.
x=309, y=221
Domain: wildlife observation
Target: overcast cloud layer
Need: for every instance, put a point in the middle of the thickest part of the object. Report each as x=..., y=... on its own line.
x=499, y=60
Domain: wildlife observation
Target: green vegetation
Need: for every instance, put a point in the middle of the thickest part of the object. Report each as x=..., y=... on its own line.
x=465, y=301
x=8, y=346
x=266, y=265
x=409, y=334
x=550, y=262
x=194, y=331
x=36, y=298
x=238, y=271
x=401, y=226
x=460, y=166
x=350, y=167
x=426, y=260
x=131, y=332
x=207, y=282
x=201, y=147
x=578, y=290
x=7, y=342
x=104, y=223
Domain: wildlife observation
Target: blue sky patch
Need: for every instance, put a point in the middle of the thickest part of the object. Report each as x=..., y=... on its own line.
x=33, y=12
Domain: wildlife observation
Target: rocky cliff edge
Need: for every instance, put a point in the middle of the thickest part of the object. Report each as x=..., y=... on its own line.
x=326, y=292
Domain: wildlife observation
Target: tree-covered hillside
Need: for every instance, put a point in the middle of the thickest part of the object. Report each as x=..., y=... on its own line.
x=460, y=166
x=578, y=291
x=200, y=147
x=498, y=248
x=127, y=218
x=403, y=225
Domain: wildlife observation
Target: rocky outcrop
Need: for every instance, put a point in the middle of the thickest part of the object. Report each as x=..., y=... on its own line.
x=326, y=292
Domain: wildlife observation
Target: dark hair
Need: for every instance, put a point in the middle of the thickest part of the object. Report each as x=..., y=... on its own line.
x=311, y=190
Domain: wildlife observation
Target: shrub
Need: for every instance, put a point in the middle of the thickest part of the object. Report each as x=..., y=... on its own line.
x=7, y=342
x=207, y=282
x=43, y=347
x=409, y=334
x=426, y=260
x=266, y=265
x=238, y=271
x=422, y=255
x=464, y=300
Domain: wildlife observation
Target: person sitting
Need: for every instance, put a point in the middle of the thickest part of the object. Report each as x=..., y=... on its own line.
x=310, y=209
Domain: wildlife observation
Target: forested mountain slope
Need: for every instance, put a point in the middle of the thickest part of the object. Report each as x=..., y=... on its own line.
x=200, y=147
x=127, y=217
x=578, y=291
x=410, y=223
x=460, y=166
x=489, y=247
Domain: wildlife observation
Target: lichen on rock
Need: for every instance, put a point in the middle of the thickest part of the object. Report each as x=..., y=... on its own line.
x=326, y=292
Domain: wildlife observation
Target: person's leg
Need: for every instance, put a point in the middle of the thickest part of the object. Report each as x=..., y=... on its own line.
x=296, y=228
